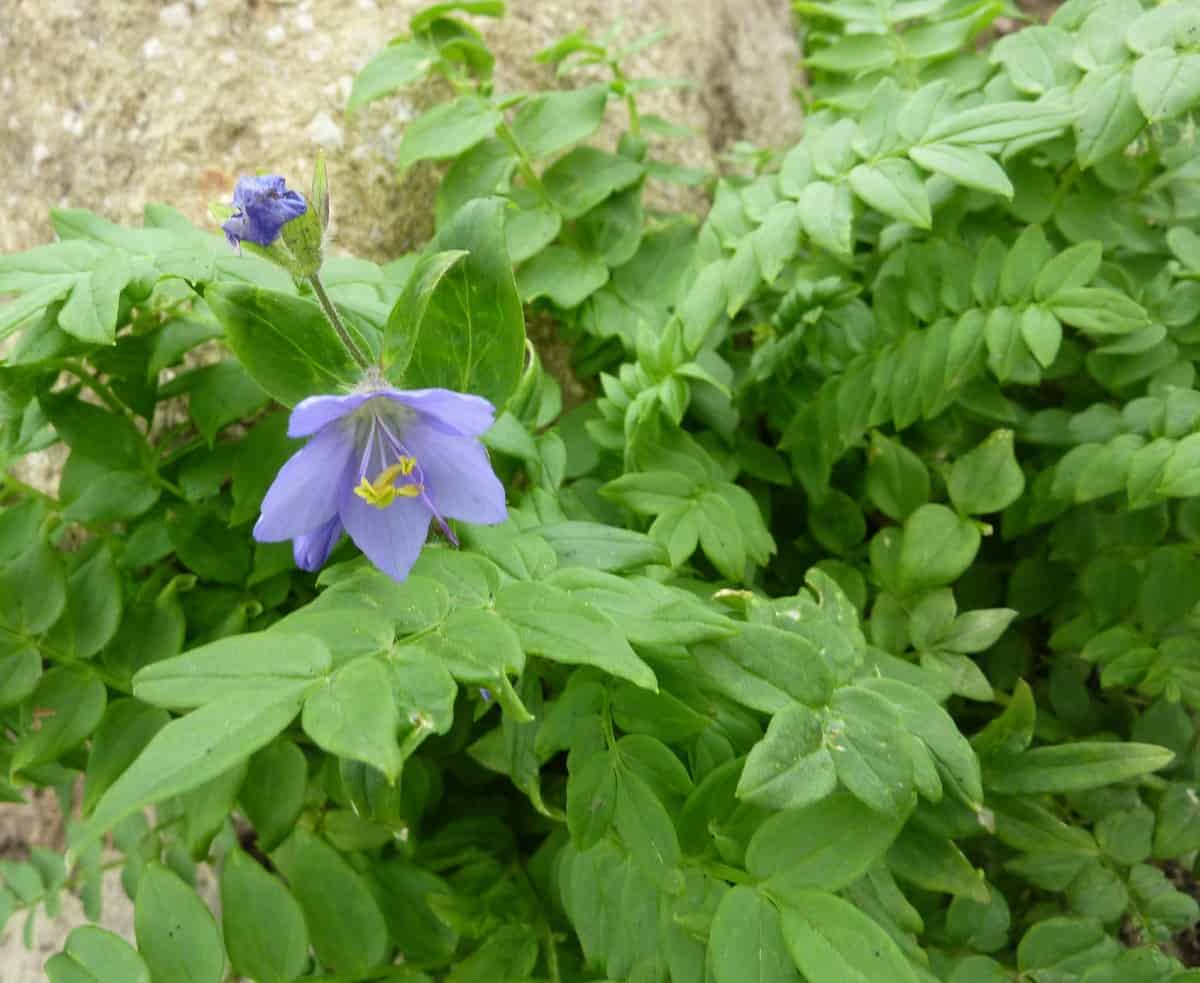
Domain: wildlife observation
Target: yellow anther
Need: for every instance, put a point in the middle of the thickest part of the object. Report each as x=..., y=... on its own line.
x=383, y=490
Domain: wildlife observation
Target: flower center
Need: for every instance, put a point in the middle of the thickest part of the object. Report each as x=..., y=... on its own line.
x=383, y=491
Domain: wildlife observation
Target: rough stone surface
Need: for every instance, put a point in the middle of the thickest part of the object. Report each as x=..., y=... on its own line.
x=109, y=104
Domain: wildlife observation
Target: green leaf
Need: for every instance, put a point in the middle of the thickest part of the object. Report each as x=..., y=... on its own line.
x=1072, y=268
x=865, y=738
x=827, y=215
x=33, y=591
x=580, y=180
x=15, y=312
x=650, y=492
x=176, y=933
x=264, y=927
x=599, y=546
x=1098, y=311
x=353, y=715
x=527, y=231
x=742, y=276
x=406, y=894
x=90, y=313
x=987, y=478
x=1037, y=58
x=833, y=942
x=746, y=942
x=550, y=121
x=592, y=799
x=1002, y=122
x=195, y=749
x=93, y=608
x=429, y=15
x=1177, y=825
x=829, y=844
x=553, y=624
x=721, y=536
x=1171, y=25
x=1107, y=115
x=1012, y=730
x=113, y=497
x=469, y=578
x=479, y=172
x=284, y=342
x=207, y=546
x=447, y=130
x=789, y=768
x=646, y=612
x=219, y=395
x=646, y=829
x=893, y=186
x=1065, y=946
x=937, y=547
x=897, y=480
x=404, y=322
x=563, y=275
x=236, y=664
x=774, y=242
x=206, y=808
x=68, y=707
x=1166, y=83
x=394, y=67
x=126, y=727
x=1008, y=358
x=96, y=433
x=855, y=54
x=977, y=631
x=1042, y=333
x=510, y=953
x=348, y=930
x=472, y=338
x=478, y=646
x=423, y=691
x=272, y=793
x=934, y=863
x=92, y=955
x=766, y=668
x=926, y=720
x=968, y=166
x=1067, y=767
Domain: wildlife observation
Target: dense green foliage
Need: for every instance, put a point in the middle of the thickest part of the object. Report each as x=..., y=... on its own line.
x=846, y=632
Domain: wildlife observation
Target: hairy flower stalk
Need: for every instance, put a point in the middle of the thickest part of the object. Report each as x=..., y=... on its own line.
x=381, y=464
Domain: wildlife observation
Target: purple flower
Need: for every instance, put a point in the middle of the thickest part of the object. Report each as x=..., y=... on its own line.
x=381, y=464
x=261, y=206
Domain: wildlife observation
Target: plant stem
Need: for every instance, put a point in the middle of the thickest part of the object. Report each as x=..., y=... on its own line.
x=551, y=953
x=101, y=389
x=635, y=118
x=335, y=321
x=524, y=164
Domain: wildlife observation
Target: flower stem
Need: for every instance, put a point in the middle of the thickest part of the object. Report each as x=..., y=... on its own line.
x=335, y=321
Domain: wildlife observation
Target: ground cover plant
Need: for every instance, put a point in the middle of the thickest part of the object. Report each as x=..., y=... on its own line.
x=844, y=630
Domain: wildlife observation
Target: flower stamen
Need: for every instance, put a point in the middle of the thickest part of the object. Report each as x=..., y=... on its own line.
x=383, y=491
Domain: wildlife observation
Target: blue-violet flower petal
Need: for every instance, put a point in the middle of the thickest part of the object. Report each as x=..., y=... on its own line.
x=382, y=464
x=261, y=207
